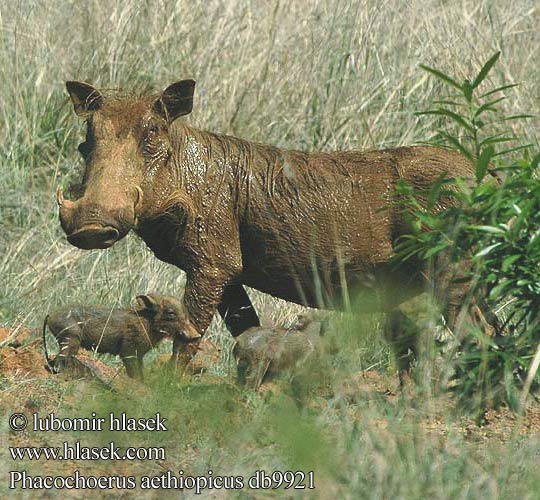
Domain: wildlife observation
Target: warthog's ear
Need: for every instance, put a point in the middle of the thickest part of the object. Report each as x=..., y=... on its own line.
x=147, y=302
x=85, y=98
x=176, y=100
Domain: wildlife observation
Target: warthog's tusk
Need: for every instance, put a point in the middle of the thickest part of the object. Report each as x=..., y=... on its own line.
x=62, y=202
x=139, y=200
x=60, y=196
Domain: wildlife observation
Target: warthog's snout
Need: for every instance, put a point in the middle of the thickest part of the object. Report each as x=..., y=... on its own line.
x=94, y=236
x=92, y=226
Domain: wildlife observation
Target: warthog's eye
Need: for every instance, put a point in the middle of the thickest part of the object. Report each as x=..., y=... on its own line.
x=153, y=145
x=151, y=132
x=170, y=316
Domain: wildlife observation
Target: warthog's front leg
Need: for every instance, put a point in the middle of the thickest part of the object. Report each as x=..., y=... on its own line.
x=237, y=310
x=203, y=294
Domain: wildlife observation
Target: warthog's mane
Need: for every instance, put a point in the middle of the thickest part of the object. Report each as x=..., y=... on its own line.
x=111, y=94
x=227, y=152
x=226, y=160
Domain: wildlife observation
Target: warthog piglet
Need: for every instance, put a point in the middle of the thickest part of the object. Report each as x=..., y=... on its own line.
x=128, y=332
x=262, y=353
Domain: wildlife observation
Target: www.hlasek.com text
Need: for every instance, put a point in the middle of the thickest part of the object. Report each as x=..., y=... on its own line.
x=77, y=451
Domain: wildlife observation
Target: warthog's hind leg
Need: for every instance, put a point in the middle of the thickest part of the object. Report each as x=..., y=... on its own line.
x=402, y=335
x=69, y=346
x=458, y=307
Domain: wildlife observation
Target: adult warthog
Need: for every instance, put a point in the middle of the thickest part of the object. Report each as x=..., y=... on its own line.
x=309, y=228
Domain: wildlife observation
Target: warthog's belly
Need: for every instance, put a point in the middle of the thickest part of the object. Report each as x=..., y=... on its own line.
x=378, y=290
x=317, y=276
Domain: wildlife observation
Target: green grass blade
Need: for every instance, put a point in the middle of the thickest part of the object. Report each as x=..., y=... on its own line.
x=441, y=76
x=485, y=70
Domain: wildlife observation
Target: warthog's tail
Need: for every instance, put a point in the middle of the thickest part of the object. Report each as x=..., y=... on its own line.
x=50, y=366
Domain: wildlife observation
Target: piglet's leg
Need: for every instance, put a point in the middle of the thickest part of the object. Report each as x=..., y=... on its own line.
x=183, y=352
x=134, y=366
x=255, y=374
x=69, y=342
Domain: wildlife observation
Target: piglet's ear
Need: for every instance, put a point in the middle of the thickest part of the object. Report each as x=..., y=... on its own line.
x=176, y=100
x=84, y=97
x=146, y=302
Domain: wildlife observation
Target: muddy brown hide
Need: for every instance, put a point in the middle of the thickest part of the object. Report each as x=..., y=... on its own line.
x=310, y=228
x=129, y=333
x=264, y=353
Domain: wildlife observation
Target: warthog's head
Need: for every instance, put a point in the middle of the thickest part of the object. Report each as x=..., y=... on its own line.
x=126, y=142
x=167, y=316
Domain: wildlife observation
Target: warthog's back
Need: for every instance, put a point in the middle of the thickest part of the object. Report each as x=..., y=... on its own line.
x=97, y=327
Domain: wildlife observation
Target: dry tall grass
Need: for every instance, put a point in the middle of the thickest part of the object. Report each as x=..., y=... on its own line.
x=302, y=74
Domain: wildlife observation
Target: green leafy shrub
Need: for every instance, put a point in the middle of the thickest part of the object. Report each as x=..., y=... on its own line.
x=494, y=227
